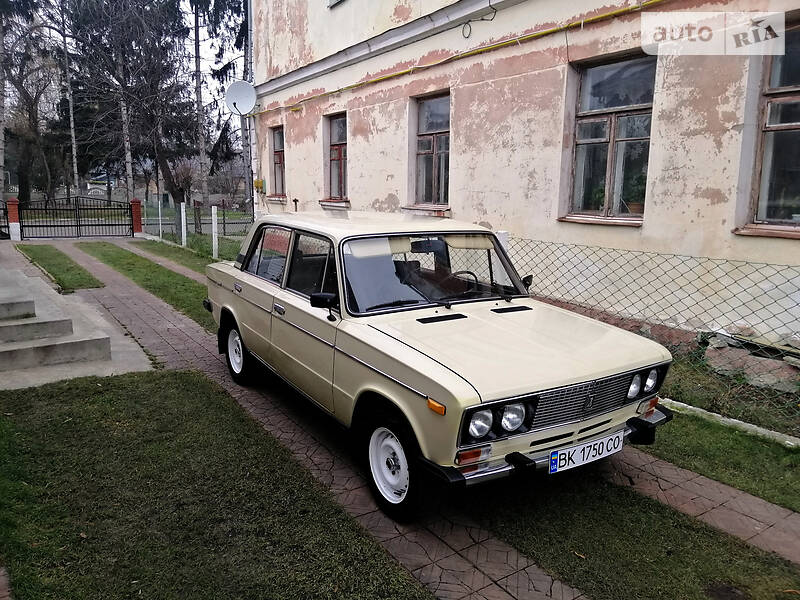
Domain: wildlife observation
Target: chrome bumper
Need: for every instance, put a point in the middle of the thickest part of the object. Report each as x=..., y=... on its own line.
x=638, y=430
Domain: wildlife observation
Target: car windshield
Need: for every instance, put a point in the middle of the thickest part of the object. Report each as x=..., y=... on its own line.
x=404, y=271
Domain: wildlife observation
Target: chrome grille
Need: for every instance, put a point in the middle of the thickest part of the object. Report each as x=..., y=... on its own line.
x=571, y=403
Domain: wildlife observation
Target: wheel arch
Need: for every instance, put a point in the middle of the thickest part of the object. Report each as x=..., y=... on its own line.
x=371, y=404
x=226, y=320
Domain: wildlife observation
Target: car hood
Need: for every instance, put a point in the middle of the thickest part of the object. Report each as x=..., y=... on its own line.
x=511, y=353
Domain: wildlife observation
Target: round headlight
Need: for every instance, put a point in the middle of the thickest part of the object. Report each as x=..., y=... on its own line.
x=513, y=415
x=636, y=385
x=480, y=423
x=652, y=379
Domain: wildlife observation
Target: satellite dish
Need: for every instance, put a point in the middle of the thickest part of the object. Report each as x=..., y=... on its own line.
x=240, y=97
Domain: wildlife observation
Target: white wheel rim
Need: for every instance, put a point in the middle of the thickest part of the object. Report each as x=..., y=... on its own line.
x=389, y=466
x=235, y=351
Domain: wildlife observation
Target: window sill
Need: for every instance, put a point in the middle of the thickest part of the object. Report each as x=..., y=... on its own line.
x=276, y=199
x=336, y=203
x=790, y=232
x=588, y=220
x=432, y=210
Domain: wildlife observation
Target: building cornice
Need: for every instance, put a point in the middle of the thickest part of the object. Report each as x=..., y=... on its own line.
x=419, y=29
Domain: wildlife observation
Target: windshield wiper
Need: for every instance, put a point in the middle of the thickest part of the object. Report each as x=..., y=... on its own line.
x=402, y=302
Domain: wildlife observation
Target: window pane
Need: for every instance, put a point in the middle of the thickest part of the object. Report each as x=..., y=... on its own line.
x=425, y=144
x=630, y=177
x=277, y=138
x=344, y=175
x=442, y=168
x=633, y=126
x=279, y=187
x=336, y=183
x=619, y=84
x=331, y=283
x=590, y=177
x=274, y=248
x=309, y=259
x=339, y=130
x=434, y=114
x=424, y=179
x=780, y=177
x=252, y=264
x=784, y=113
x=593, y=130
x=786, y=68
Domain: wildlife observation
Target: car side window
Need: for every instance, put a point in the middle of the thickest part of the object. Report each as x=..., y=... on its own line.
x=268, y=259
x=252, y=264
x=312, y=267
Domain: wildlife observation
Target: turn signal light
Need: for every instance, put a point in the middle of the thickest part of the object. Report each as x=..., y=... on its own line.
x=436, y=407
x=646, y=407
x=473, y=455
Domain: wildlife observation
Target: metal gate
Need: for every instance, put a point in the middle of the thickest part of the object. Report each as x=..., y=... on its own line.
x=3, y=221
x=79, y=216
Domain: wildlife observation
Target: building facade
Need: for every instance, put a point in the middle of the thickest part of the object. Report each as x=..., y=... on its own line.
x=547, y=120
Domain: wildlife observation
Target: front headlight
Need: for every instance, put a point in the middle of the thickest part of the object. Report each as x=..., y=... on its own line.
x=480, y=423
x=652, y=379
x=513, y=415
x=636, y=385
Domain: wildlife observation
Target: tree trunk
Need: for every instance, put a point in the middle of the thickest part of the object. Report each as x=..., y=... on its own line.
x=176, y=192
x=68, y=80
x=2, y=109
x=201, y=136
x=126, y=135
x=245, y=126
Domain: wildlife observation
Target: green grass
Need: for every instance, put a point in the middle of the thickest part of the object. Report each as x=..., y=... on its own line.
x=157, y=485
x=68, y=274
x=612, y=543
x=182, y=256
x=201, y=243
x=184, y=294
x=692, y=382
x=761, y=467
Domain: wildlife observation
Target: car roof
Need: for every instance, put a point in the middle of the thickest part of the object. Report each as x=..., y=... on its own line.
x=339, y=224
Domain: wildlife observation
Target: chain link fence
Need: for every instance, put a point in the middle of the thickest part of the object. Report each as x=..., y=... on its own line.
x=733, y=326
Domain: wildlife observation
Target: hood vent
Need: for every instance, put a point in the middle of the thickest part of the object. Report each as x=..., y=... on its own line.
x=508, y=309
x=438, y=318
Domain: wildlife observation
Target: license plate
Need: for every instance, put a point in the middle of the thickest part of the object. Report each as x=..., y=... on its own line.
x=569, y=458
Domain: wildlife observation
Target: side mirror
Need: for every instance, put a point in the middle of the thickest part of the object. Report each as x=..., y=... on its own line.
x=527, y=281
x=323, y=300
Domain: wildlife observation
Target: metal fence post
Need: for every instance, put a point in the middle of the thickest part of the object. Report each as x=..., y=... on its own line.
x=183, y=224
x=214, y=232
x=158, y=201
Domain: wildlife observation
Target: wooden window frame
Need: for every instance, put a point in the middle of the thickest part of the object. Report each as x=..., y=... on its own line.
x=436, y=140
x=337, y=161
x=769, y=97
x=278, y=164
x=610, y=116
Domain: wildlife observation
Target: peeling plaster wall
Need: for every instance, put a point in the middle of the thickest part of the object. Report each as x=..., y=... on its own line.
x=292, y=33
x=512, y=121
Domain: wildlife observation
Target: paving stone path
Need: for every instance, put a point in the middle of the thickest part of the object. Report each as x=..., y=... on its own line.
x=449, y=553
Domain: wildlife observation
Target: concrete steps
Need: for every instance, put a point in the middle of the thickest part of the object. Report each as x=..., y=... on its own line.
x=37, y=328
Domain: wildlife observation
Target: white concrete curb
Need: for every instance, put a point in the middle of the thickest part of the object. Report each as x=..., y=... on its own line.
x=782, y=438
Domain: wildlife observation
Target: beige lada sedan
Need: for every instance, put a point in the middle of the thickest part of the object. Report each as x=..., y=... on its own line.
x=419, y=335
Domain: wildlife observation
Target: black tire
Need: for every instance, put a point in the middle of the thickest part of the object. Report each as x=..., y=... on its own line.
x=383, y=466
x=239, y=361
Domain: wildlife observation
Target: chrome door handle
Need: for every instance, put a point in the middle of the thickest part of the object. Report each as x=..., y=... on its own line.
x=278, y=308
x=237, y=288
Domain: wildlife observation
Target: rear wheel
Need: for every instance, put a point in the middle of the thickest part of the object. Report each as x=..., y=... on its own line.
x=391, y=456
x=237, y=356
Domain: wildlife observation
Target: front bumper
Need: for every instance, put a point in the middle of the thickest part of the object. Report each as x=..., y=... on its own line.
x=638, y=430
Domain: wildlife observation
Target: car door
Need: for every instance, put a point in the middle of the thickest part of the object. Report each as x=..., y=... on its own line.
x=303, y=337
x=262, y=275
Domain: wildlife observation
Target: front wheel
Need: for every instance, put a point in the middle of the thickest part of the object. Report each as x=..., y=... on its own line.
x=237, y=356
x=392, y=453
